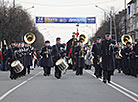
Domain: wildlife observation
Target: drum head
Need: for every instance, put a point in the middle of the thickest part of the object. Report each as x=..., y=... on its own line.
x=60, y=61
x=14, y=63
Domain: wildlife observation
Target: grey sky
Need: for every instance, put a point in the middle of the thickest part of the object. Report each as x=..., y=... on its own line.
x=68, y=8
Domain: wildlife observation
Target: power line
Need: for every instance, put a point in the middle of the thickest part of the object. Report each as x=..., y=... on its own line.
x=90, y=4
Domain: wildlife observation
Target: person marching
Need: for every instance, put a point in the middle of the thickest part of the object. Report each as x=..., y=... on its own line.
x=118, y=56
x=127, y=52
x=47, y=61
x=135, y=72
x=88, y=58
x=28, y=57
x=108, y=58
x=12, y=56
x=80, y=53
x=96, y=50
x=58, y=51
x=69, y=52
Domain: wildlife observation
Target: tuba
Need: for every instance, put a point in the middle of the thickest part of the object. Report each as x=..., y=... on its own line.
x=29, y=38
x=83, y=38
x=126, y=38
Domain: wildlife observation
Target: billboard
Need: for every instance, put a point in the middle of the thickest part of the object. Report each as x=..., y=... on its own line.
x=89, y=20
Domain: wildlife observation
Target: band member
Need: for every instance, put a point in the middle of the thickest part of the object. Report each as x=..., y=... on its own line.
x=70, y=49
x=108, y=59
x=118, y=57
x=96, y=50
x=80, y=53
x=12, y=56
x=28, y=57
x=4, y=54
x=1, y=59
x=58, y=51
x=88, y=58
x=47, y=61
x=136, y=58
x=126, y=53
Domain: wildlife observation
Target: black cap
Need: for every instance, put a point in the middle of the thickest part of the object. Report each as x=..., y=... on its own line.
x=107, y=34
x=58, y=38
x=47, y=41
x=98, y=37
x=73, y=35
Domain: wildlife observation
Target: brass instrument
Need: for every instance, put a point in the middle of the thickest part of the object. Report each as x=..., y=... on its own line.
x=1, y=44
x=126, y=38
x=46, y=52
x=29, y=38
x=83, y=38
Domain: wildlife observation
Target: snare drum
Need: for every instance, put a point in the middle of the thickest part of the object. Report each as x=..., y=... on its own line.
x=62, y=65
x=17, y=66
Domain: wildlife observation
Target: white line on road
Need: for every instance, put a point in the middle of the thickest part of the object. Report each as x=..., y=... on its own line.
x=21, y=84
x=116, y=88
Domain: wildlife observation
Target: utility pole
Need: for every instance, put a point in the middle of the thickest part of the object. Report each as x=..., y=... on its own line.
x=125, y=17
x=13, y=3
x=111, y=22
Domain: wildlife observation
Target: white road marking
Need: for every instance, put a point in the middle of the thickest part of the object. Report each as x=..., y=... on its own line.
x=116, y=88
x=16, y=87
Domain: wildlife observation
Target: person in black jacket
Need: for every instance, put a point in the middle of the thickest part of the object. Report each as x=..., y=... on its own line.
x=108, y=58
x=96, y=51
x=126, y=53
x=135, y=49
x=47, y=61
x=58, y=51
x=80, y=53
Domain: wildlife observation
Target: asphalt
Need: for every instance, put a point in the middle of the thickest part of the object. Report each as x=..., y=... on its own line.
x=70, y=88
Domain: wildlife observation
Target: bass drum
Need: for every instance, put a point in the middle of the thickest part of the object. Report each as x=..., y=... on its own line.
x=62, y=65
x=17, y=66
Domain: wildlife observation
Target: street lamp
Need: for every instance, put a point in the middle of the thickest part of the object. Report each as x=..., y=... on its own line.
x=29, y=8
x=102, y=10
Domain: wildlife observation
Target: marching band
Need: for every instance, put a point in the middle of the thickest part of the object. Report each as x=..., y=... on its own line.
x=105, y=56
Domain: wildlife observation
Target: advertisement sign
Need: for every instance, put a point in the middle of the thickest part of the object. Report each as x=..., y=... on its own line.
x=91, y=20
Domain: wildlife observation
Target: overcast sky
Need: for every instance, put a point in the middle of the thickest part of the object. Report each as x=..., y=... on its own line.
x=68, y=8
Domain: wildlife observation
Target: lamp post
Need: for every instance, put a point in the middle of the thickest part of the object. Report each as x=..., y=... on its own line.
x=125, y=17
x=102, y=10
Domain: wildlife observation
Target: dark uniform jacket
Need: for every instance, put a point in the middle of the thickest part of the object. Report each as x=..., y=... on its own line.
x=58, y=51
x=46, y=56
x=96, y=51
x=108, y=58
x=79, y=59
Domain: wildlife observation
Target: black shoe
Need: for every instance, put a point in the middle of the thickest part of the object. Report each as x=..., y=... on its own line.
x=28, y=72
x=45, y=74
x=104, y=81
x=109, y=82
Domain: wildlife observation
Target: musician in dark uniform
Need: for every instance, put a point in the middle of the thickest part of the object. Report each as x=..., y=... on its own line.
x=58, y=51
x=4, y=54
x=80, y=53
x=136, y=58
x=127, y=58
x=12, y=56
x=28, y=57
x=108, y=58
x=47, y=61
x=69, y=52
x=96, y=51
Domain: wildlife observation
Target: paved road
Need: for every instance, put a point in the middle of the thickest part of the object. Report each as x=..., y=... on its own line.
x=70, y=88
